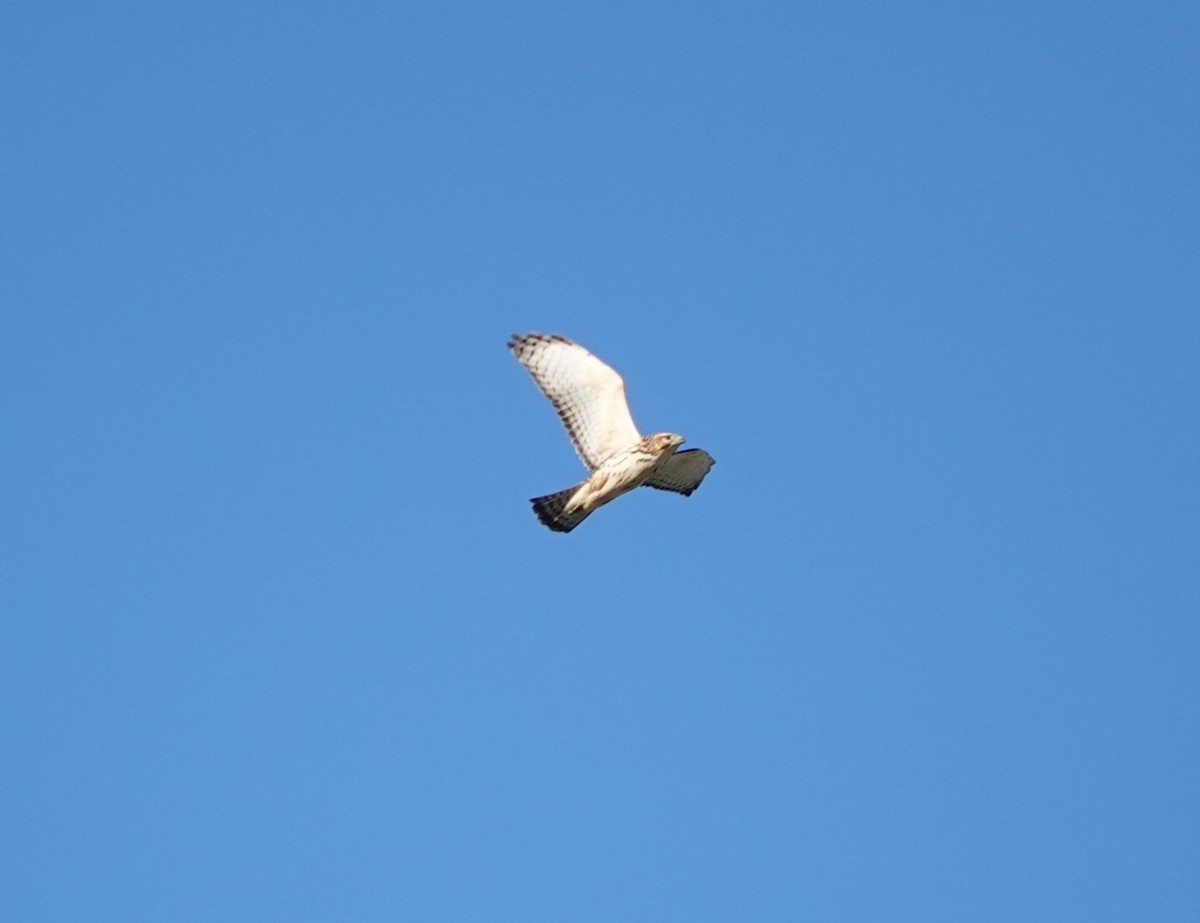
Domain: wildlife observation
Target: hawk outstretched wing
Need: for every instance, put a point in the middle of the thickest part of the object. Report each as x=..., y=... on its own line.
x=682, y=472
x=588, y=396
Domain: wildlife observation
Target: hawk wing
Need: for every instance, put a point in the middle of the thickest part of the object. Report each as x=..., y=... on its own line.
x=682, y=472
x=588, y=396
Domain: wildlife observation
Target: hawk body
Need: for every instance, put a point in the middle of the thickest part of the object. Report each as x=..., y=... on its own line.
x=589, y=398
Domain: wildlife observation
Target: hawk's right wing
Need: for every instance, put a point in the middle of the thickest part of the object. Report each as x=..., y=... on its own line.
x=588, y=396
x=682, y=472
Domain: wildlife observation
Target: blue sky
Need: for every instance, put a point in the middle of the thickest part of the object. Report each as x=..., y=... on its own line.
x=281, y=638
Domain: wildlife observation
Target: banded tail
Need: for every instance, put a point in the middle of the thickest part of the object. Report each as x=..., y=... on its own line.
x=549, y=510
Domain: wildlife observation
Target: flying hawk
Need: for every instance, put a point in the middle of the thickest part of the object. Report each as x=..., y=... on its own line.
x=590, y=400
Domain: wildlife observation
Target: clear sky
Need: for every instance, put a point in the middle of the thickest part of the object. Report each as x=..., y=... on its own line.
x=280, y=638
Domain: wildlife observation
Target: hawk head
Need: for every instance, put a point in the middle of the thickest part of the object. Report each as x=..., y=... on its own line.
x=662, y=442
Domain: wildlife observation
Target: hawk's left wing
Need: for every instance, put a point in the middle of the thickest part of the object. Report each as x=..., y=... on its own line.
x=682, y=472
x=588, y=396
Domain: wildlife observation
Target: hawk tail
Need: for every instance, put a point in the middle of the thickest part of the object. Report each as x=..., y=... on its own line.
x=549, y=510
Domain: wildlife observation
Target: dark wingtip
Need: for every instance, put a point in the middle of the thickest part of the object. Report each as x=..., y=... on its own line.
x=523, y=339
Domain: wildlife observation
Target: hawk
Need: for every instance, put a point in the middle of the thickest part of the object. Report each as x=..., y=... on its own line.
x=590, y=400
